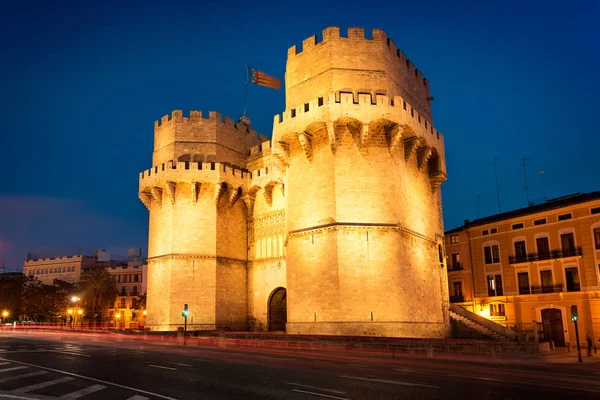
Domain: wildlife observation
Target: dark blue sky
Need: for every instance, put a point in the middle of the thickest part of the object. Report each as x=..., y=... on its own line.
x=81, y=86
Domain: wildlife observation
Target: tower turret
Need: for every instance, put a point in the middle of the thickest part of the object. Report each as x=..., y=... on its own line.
x=197, y=237
x=364, y=204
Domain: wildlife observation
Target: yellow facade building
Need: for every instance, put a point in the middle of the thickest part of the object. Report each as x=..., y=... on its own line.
x=532, y=264
x=64, y=268
x=332, y=227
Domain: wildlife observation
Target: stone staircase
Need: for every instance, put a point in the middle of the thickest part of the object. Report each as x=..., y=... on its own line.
x=478, y=331
x=469, y=325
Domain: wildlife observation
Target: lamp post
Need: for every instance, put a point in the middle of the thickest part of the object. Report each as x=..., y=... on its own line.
x=4, y=315
x=117, y=317
x=75, y=300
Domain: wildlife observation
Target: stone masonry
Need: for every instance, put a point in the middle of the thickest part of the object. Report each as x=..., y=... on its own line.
x=342, y=208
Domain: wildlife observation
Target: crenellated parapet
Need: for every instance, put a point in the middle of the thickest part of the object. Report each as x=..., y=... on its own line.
x=198, y=139
x=368, y=64
x=237, y=183
x=364, y=115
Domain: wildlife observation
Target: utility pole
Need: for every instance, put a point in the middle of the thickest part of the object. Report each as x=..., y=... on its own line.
x=543, y=185
x=495, y=164
x=478, y=198
x=525, y=174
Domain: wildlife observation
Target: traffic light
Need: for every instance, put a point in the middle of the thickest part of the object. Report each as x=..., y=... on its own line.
x=574, y=314
x=185, y=312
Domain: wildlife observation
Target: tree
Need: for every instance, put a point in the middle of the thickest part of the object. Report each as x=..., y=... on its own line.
x=41, y=302
x=10, y=296
x=98, y=290
x=140, y=302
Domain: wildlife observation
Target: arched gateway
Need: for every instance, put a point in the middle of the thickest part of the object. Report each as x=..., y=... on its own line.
x=277, y=310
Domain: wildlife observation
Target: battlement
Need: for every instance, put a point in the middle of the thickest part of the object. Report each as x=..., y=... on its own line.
x=197, y=116
x=336, y=63
x=198, y=139
x=368, y=107
x=213, y=169
x=332, y=33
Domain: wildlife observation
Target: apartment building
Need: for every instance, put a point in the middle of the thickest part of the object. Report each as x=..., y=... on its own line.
x=64, y=268
x=531, y=264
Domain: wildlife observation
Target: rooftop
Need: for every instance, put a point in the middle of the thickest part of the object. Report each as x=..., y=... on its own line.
x=552, y=204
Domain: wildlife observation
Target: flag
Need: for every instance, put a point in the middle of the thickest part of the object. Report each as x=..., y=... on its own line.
x=262, y=79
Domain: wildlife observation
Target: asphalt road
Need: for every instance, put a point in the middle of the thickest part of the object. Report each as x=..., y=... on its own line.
x=68, y=366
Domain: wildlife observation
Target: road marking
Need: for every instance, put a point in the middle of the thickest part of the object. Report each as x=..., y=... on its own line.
x=388, y=381
x=82, y=392
x=93, y=379
x=22, y=376
x=314, y=387
x=4, y=363
x=137, y=397
x=160, y=366
x=37, y=386
x=9, y=396
x=180, y=364
x=70, y=352
x=11, y=369
x=319, y=394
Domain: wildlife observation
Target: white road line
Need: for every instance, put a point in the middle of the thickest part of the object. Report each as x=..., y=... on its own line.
x=93, y=379
x=9, y=396
x=137, y=397
x=160, y=366
x=388, y=381
x=22, y=376
x=314, y=387
x=70, y=352
x=319, y=394
x=82, y=392
x=41, y=385
x=4, y=363
x=11, y=369
x=181, y=364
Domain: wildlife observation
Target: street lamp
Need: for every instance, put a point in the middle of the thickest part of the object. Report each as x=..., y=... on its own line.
x=4, y=315
x=144, y=312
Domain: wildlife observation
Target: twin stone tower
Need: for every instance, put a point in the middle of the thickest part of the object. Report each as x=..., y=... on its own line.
x=334, y=226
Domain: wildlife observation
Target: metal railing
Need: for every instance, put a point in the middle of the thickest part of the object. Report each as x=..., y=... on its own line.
x=527, y=331
x=554, y=254
x=538, y=289
x=457, y=299
x=455, y=267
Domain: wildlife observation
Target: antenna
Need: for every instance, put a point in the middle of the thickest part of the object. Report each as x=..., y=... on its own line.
x=495, y=164
x=543, y=185
x=525, y=174
x=478, y=198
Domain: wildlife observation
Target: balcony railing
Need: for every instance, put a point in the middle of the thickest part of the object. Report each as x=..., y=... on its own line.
x=455, y=267
x=554, y=254
x=457, y=299
x=536, y=289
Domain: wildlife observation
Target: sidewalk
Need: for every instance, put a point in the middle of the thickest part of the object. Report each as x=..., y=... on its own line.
x=563, y=356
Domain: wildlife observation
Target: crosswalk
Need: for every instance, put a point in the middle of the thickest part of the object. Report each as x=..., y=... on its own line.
x=44, y=384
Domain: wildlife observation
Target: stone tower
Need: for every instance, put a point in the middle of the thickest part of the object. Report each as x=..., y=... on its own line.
x=332, y=227
x=197, y=235
x=364, y=216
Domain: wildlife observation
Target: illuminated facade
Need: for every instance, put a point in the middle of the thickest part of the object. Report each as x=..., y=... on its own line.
x=65, y=268
x=332, y=227
x=532, y=264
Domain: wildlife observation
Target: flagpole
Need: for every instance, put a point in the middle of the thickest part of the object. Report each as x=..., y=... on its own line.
x=246, y=91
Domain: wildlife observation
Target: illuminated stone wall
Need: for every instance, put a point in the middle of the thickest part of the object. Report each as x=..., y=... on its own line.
x=342, y=208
